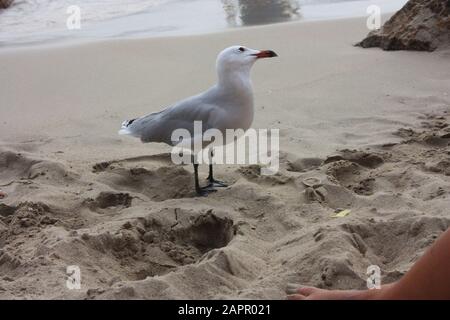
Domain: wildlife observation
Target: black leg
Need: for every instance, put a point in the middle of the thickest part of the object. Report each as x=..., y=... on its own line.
x=197, y=185
x=213, y=182
x=200, y=191
x=210, y=175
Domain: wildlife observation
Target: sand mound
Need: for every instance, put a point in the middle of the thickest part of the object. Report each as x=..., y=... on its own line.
x=163, y=181
x=149, y=246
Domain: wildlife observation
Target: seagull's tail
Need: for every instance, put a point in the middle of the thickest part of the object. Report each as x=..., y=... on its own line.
x=125, y=129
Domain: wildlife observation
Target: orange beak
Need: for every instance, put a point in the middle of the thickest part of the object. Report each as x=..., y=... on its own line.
x=265, y=54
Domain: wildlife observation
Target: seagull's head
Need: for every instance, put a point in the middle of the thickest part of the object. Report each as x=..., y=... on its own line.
x=241, y=58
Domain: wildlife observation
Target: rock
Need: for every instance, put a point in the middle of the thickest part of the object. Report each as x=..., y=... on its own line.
x=5, y=3
x=420, y=25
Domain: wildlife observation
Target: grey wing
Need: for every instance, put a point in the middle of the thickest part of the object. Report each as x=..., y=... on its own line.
x=158, y=127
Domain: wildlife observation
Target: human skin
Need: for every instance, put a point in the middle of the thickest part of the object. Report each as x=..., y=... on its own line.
x=429, y=278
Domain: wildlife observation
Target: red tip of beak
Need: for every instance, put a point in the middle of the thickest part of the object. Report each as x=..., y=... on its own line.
x=265, y=54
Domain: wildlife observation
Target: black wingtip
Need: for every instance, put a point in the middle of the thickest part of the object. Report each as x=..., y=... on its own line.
x=129, y=122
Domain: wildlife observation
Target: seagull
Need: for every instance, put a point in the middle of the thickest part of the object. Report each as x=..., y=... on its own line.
x=226, y=105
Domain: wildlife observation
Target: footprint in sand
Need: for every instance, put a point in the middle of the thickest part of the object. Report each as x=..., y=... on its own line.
x=109, y=199
x=353, y=170
x=365, y=159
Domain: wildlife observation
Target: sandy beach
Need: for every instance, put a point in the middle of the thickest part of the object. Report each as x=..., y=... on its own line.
x=373, y=126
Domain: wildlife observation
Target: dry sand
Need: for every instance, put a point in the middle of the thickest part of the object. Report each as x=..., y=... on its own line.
x=79, y=194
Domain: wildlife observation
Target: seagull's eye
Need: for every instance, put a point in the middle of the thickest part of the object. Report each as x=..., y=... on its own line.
x=241, y=49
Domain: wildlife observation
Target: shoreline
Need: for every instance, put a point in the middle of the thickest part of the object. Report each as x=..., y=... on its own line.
x=68, y=43
x=133, y=25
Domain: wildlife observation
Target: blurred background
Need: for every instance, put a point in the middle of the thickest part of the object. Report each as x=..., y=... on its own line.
x=28, y=21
